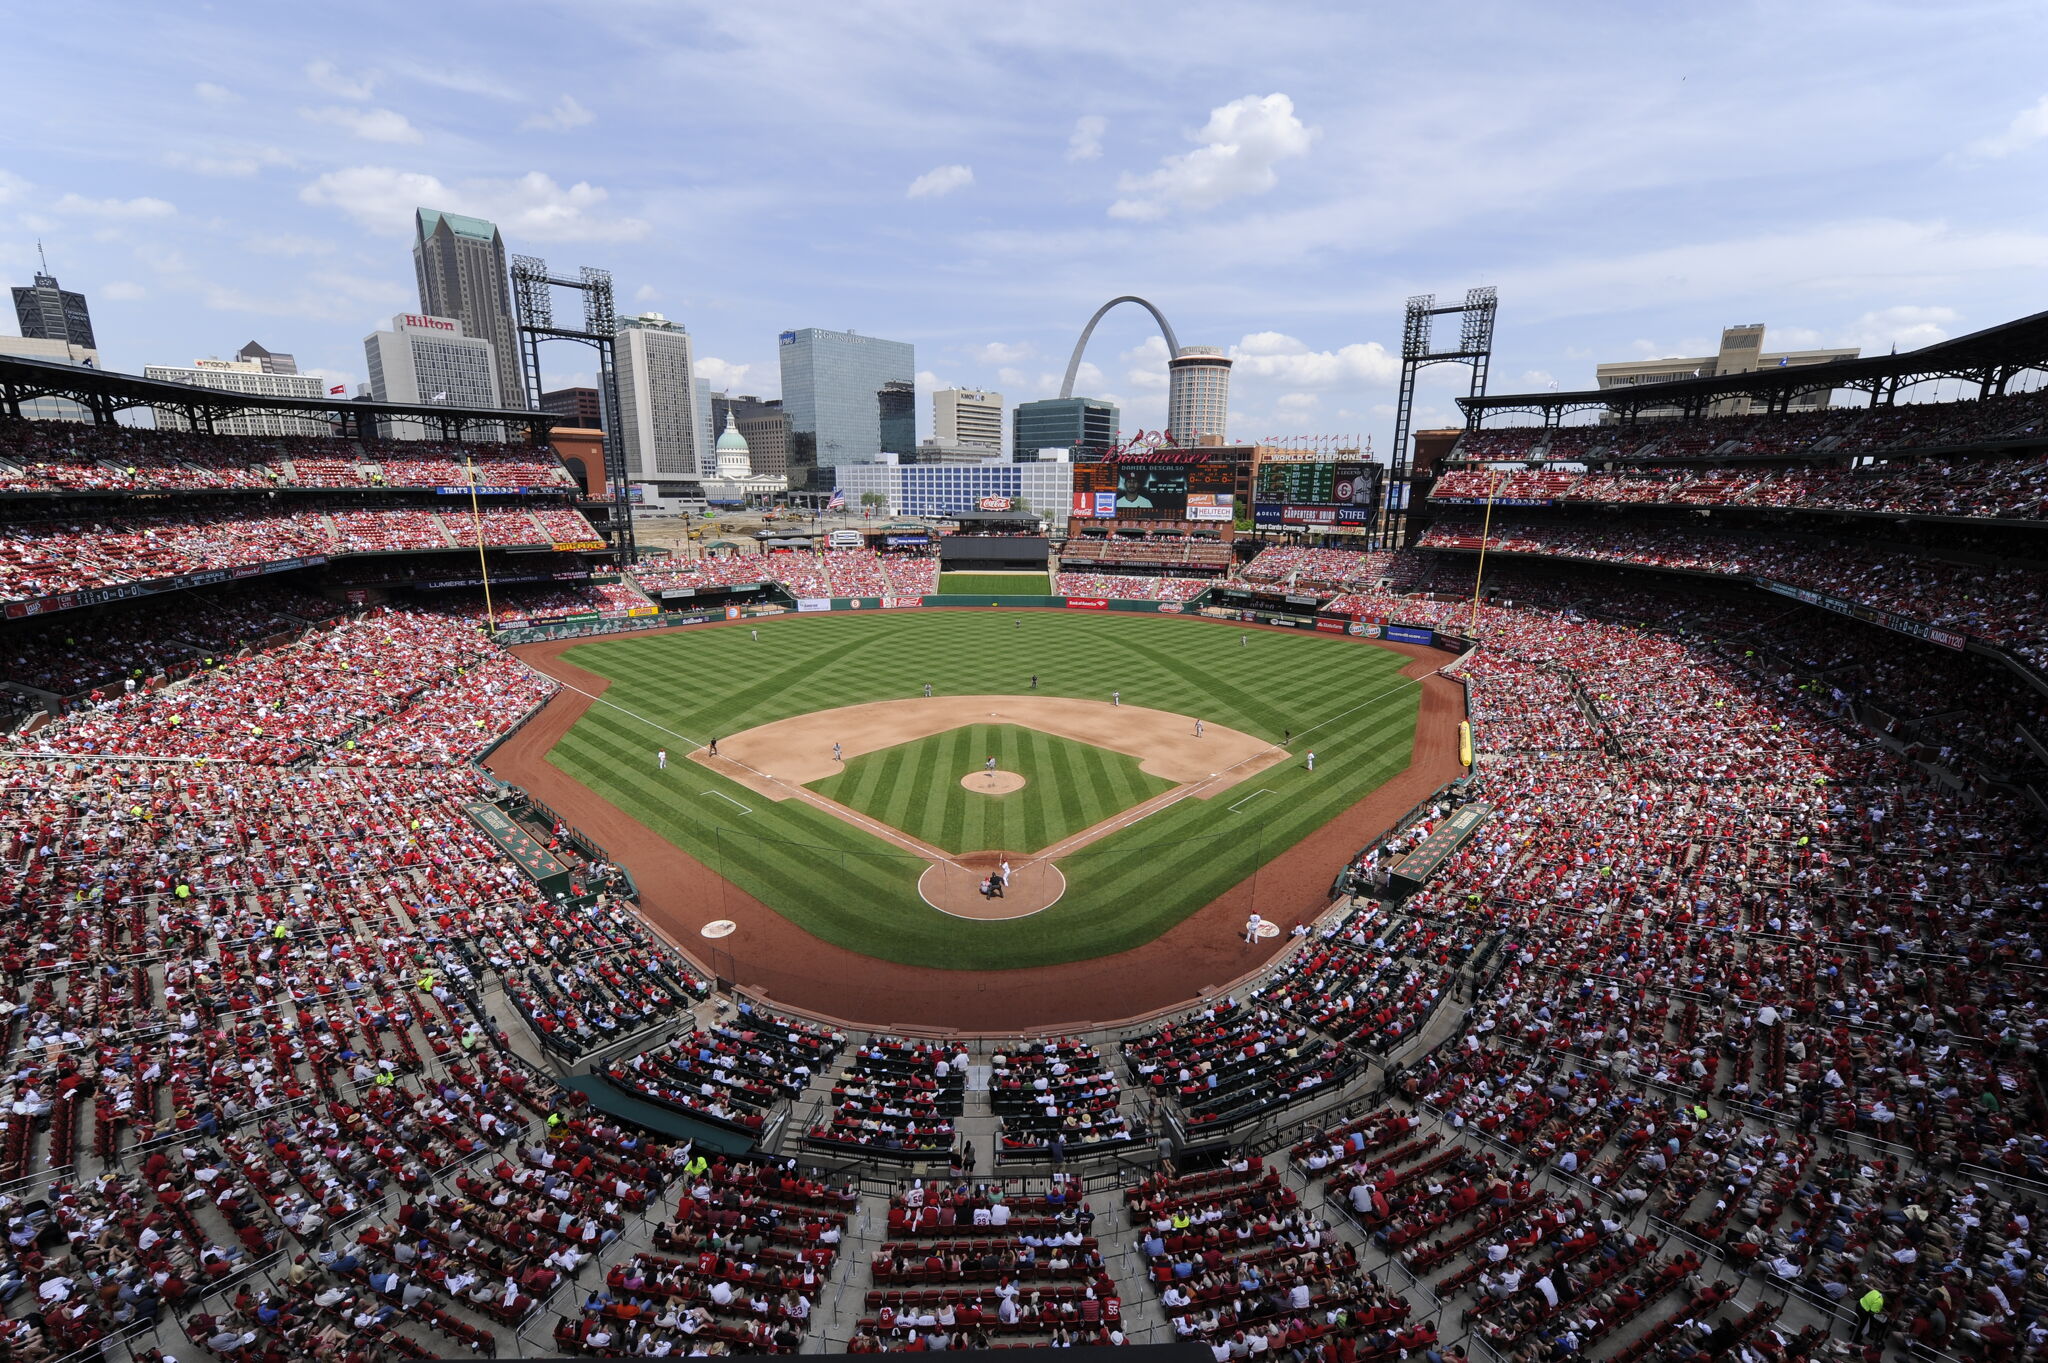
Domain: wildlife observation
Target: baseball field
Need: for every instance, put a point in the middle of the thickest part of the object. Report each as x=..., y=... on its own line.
x=1145, y=821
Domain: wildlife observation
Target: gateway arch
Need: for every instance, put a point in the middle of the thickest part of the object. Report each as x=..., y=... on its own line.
x=1165, y=331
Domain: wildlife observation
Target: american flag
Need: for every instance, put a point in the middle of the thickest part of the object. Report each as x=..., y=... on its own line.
x=838, y=502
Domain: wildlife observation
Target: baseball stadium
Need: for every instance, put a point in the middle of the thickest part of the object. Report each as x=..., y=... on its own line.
x=1595, y=897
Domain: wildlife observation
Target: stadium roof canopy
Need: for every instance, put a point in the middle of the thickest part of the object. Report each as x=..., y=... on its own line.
x=103, y=393
x=1988, y=358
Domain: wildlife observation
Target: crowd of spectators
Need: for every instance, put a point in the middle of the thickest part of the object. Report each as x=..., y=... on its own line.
x=66, y=456
x=2001, y=603
x=51, y=556
x=1998, y=487
x=1125, y=588
x=1827, y=433
x=1300, y=565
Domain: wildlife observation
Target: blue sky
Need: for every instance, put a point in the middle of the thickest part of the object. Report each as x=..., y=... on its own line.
x=977, y=179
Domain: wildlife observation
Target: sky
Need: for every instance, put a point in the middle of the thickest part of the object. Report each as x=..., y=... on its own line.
x=978, y=179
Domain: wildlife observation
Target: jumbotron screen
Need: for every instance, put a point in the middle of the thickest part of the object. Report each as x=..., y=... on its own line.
x=1322, y=493
x=1154, y=492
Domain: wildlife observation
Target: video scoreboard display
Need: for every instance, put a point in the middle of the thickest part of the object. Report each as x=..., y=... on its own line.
x=1342, y=493
x=1154, y=492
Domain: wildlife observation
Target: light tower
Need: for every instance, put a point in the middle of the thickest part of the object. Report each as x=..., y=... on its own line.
x=1475, y=348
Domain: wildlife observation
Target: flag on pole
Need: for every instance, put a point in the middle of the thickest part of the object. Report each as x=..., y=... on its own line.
x=337, y=390
x=838, y=502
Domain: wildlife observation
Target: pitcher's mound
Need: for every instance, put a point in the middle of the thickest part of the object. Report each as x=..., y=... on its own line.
x=992, y=782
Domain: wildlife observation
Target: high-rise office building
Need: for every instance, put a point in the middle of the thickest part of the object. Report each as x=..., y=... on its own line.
x=968, y=417
x=461, y=267
x=764, y=424
x=1198, y=395
x=49, y=313
x=1742, y=350
x=267, y=361
x=428, y=361
x=1084, y=426
x=832, y=384
x=707, y=448
x=246, y=377
x=896, y=416
x=658, y=423
x=582, y=408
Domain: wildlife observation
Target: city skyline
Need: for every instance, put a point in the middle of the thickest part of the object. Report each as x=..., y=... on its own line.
x=1239, y=174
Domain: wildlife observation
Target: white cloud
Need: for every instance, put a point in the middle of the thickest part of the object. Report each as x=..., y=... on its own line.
x=2028, y=126
x=1241, y=143
x=1280, y=357
x=1147, y=364
x=325, y=75
x=144, y=207
x=215, y=94
x=996, y=352
x=1792, y=338
x=1906, y=327
x=566, y=114
x=286, y=244
x=237, y=165
x=646, y=293
x=326, y=295
x=1297, y=403
x=120, y=289
x=940, y=181
x=1085, y=142
x=1538, y=378
x=372, y=125
x=532, y=207
x=12, y=186
x=723, y=375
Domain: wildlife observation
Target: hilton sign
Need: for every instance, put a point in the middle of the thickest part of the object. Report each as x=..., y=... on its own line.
x=418, y=323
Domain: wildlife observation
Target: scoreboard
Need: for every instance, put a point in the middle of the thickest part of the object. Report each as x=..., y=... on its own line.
x=1154, y=492
x=1322, y=493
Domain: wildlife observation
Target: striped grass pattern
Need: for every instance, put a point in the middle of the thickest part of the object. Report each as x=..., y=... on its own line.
x=994, y=584
x=915, y=787
x=675, y=690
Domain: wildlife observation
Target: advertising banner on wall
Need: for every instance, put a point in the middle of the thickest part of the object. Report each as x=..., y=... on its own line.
x=814, y=603
x=1087, y=603
x=1408, y=634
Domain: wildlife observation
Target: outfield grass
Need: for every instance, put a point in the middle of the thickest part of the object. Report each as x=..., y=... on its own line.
x=995, y=584
x=1341, y=697
x=915, y=787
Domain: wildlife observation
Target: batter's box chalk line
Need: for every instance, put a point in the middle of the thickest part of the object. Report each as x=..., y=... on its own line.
x=1262, y=790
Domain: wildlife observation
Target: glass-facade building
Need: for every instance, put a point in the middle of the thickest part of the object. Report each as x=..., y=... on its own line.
x=832, y=386
x=949, y=489
x=1086, y=426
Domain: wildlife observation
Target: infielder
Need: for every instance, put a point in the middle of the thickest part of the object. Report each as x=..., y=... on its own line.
x=661, y=759
x=835, y=754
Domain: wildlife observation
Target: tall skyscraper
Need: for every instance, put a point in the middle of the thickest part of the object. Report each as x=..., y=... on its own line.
x=764, y=424
x=1198, y=395
x=968, y=417
x=896, y=417
x=49, y=313
x=832, y=384
x=249, y=377
x=1086, y=426
x=461, y=266
x=267, y=361
x=658, y=421
x=429, y=361
x=707, y=448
